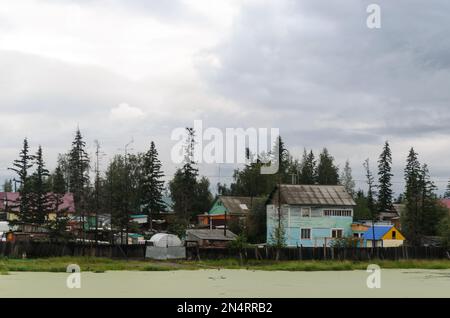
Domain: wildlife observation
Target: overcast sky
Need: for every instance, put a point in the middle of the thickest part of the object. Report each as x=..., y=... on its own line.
x=139, y=69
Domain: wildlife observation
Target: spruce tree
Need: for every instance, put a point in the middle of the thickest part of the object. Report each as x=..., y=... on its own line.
x=40, y=197
x=152, y=184
x=308, y=168
x=432, y=211
x=58, y=186
x=283, y=161
x=361, y=211
x=327, y=172
x=347, y=179
x=190, y=195
x=447, y=191
x=412, y=220
x=182, y=187
x=21, y=167
x=385, y=195
x=79, y=176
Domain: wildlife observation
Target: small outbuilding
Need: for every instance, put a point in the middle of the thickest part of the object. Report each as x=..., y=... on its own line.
x=384, y=236
x=210, y=237
x=165, y=240
x=165, y=246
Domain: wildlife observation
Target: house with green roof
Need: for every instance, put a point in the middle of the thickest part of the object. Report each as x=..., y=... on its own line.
x=228, y=208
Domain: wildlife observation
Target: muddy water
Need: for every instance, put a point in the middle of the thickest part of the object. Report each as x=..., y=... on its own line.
x=229, y=283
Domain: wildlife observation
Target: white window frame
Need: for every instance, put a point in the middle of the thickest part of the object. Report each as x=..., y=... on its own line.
x=336, y=229
x=333, y=211
x=305, y=208
x=310, y=233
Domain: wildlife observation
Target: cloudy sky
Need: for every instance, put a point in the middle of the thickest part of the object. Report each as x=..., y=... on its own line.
x=124, y=70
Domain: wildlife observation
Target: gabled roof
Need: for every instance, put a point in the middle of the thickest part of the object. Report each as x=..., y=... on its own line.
x=234, y=205
x=211, y=234
x=331, y=195
x=380, y=231
x=12, y=200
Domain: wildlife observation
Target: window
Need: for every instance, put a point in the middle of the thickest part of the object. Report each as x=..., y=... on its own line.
x=306, y=212
x=305, y=234
x=356, y=235
x=394, y=235
x=336, y=233
x=337, y=212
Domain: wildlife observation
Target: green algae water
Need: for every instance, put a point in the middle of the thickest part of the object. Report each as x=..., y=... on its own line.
x=228, y=283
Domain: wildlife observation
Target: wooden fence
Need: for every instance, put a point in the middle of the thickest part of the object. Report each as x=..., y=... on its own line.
x=137, y=251
x=43, y=249
x=322, y=253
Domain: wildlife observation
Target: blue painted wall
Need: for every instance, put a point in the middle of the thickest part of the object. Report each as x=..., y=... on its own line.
x=320, y=225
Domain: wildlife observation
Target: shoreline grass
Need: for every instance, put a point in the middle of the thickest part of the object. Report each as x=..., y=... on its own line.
x=101, y=265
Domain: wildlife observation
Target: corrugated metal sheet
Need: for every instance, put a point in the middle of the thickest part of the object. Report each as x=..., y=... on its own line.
x=13, y=199
x=238, y=205
x=380, y=230
x=316, y=195
x=210, y=234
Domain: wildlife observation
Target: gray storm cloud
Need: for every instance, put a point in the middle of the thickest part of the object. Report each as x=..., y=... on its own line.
x=311, y=68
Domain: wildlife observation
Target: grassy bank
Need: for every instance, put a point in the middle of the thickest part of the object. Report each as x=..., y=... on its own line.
x=326, y=265
x=99, y=265
x=90, y=264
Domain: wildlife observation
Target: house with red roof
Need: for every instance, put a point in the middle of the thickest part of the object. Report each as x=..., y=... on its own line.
x=446, y=203
x=9, y=206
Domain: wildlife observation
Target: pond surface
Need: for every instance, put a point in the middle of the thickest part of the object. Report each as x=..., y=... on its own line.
x=229, y=283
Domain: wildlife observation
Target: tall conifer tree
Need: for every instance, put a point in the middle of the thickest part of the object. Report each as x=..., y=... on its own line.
x=327, y=172
x=40, y=197
x=79, y=176
x=385, y=195
x=152, y=184
x=308, y=168
x=21, y=167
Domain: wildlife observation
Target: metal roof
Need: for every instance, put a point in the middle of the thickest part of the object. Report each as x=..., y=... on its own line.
x=380, y=230
x=235, y=205
x=12, y=199
x=211, y=234
x=332, y=195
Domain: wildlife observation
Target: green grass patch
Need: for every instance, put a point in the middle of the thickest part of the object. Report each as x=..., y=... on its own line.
x=322, y=265
x=101, y=265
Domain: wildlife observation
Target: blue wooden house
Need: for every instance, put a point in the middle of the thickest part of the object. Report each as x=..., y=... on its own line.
x=311, y=215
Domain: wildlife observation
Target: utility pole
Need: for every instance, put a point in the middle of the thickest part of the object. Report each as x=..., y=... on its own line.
x=127, y=189
x=15, y=184
x=97, y=186
x=225, y=224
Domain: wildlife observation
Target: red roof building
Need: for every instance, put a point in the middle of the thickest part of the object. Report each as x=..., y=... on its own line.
x=11, y=199
x=446, y=203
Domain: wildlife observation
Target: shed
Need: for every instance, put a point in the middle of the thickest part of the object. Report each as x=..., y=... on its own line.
x=210, y=237
x=384, y=236
x=228, y=208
